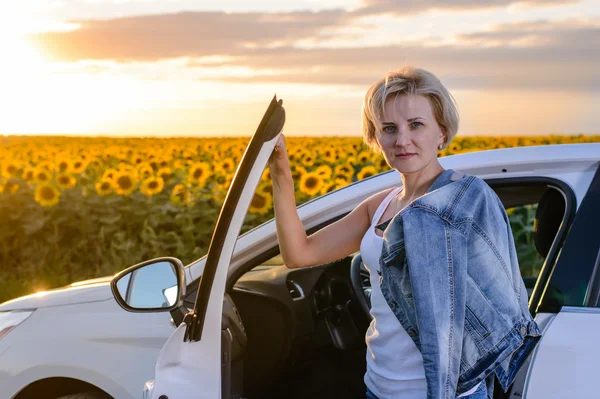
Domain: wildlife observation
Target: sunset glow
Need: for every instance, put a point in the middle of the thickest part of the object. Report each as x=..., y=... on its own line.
x=174, y=68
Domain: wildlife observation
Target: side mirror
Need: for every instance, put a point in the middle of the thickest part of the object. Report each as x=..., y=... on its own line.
x=156, y=285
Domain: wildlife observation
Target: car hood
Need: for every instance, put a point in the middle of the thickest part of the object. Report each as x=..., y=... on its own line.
x=80, y=292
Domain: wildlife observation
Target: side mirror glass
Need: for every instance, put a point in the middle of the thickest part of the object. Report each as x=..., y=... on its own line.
x=152, y=286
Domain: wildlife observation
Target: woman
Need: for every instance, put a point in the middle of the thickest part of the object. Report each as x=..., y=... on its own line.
x=408, y=116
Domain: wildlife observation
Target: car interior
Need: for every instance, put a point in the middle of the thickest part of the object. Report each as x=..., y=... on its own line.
x=299, y=333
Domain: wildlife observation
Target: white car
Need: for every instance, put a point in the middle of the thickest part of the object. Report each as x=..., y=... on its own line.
x=299, y=333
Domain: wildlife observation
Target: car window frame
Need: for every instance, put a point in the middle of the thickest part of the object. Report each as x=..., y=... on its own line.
x=585, y=221
x=559, y=239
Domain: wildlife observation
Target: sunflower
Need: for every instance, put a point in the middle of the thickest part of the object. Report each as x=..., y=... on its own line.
x=261, y=203
x=188, y=155
x=199, y=172
x=324, y=171
x=336, y=185
x=42, y=175
x=350, y=152
x=266, y=186
x=365, y=172
x=145, y=170
x=293, y=154
x=180, y=195
x=382, y=164
x=47, y=195
x=125, y=167
x=45, y=165
x=79, y=165
x=165, y=173
x=311, y=183
x=330, y=155
x=29, y=174
x=363, y=157
x=297, y=172
x=178, y=165
x=266, y=175
x=138, y=159
x=343, y=171
x=65, y=181
x=10, y=186
x=228, y=165
x=103, y=187
x=307, y=159
x=454, y=148
x=124, y=183
x=152, y=185
x=10, y=169
x=109, y=174
x=63, y=166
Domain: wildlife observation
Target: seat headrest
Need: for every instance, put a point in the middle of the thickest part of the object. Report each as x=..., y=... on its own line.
x=548, y=217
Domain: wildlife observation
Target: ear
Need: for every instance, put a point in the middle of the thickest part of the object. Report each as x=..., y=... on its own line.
x=444, y=135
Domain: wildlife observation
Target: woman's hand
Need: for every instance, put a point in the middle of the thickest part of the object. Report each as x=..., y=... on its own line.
x=279, y=162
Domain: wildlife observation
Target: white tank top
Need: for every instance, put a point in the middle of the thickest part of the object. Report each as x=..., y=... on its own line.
x=394, y=363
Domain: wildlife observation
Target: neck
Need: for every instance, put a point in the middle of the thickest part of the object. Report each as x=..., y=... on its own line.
x=417, y=183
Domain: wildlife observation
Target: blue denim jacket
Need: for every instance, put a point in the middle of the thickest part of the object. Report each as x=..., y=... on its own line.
x=450, y=274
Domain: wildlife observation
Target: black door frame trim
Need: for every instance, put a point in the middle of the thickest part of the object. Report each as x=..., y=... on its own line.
x=582, y=241
x=269, y=127
x=569, y=216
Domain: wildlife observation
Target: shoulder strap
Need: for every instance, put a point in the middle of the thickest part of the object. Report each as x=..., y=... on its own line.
x=383, y=205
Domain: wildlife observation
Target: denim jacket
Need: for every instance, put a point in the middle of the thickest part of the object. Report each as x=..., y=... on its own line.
x=450, y=274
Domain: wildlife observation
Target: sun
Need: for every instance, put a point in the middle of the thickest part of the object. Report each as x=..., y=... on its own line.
x=40, y=96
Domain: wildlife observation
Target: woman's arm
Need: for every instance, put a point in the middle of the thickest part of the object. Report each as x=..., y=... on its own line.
x=331, y=243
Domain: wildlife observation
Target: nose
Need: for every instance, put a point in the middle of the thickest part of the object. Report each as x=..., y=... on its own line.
x=402, y=137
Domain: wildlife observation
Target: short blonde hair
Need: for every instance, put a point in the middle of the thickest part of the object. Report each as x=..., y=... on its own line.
x=409, y=80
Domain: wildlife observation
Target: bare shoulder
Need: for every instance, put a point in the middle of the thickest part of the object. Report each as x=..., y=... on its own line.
x=375, y=200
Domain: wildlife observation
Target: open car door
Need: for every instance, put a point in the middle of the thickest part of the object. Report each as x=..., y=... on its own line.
x=189, y=364
x=564, y=363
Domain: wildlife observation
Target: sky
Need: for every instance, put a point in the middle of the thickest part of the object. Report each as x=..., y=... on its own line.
x=205, y=68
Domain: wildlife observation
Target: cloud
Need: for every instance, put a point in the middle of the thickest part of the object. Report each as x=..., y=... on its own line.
x=183, y=34
x=540, y=54
x=566, y=55
x=413, y=7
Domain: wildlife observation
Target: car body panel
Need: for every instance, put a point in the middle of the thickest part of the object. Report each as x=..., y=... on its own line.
x=565, y=360
x=93, y=290
x=96, y=342
x=72, y=294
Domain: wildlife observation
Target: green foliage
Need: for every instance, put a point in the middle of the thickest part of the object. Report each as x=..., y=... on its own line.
x=521, y=222
x=87, y=237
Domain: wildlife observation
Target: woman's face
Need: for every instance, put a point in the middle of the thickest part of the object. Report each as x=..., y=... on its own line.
x=410, y=135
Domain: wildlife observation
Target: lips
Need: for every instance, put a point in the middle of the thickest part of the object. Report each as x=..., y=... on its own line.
x=405, y=155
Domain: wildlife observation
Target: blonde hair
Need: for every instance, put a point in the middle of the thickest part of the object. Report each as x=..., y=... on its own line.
x=411, y=81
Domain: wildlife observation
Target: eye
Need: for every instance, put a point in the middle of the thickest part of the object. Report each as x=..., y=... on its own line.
x=415, y=126
x=388, y=129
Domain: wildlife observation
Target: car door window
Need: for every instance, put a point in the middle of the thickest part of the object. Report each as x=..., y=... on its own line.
x=522, y=219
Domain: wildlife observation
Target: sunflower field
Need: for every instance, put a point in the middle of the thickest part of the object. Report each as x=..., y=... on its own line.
x=74, y=208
